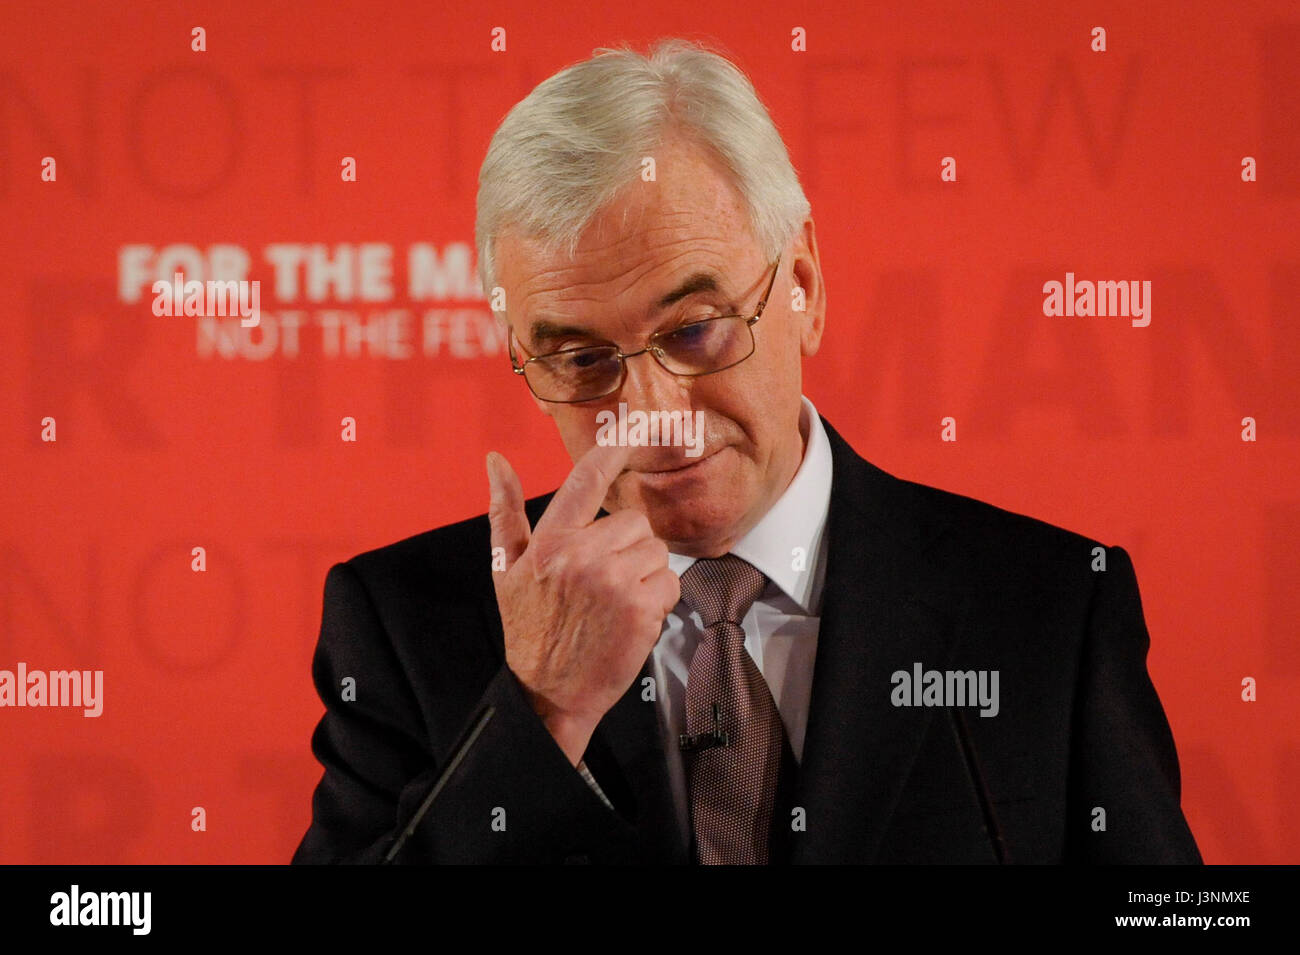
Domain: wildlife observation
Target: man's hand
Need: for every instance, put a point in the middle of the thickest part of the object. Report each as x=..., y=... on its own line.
x=582, y=601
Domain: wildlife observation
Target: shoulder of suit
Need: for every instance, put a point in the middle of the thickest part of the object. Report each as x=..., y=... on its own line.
x=924, y=514
x=987, y=527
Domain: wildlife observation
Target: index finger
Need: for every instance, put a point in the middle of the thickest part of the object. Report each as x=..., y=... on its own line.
x=578, y=500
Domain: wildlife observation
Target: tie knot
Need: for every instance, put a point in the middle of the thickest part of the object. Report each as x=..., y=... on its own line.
x=721, y=588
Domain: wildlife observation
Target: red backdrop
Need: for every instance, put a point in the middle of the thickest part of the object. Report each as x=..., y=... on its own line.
x=174, y=433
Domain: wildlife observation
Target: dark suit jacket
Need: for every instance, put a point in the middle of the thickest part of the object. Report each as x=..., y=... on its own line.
x=914, y=575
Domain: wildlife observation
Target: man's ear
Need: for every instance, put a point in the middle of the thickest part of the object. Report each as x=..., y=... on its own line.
x=808, y=289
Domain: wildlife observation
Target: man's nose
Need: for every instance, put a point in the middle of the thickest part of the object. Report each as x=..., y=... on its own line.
x=650, y=387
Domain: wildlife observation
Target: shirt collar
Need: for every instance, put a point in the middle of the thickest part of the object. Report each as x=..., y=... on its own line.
x=786, y=543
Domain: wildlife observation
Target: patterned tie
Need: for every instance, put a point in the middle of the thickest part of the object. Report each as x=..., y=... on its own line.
x=734, y=738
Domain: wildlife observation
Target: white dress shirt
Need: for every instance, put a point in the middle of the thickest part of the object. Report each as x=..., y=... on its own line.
x=788, y=545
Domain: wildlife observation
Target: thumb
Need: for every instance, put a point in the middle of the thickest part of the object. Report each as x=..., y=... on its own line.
x=510, y=530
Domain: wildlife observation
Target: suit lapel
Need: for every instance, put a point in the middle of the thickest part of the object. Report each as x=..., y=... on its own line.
x=884, y=609
x=627, y=749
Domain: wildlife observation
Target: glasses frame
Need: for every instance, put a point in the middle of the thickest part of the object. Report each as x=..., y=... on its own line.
x=650, y=346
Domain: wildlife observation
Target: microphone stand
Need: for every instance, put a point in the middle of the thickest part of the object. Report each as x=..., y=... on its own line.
x=459, y=752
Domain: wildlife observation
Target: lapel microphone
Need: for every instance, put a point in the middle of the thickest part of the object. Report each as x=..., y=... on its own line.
x=717, y=736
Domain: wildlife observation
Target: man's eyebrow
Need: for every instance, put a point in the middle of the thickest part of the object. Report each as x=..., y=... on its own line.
x=697, y=282
x=544, y=330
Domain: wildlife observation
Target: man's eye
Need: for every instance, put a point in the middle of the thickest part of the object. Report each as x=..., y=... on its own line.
x=584, y=359
x=696, y=331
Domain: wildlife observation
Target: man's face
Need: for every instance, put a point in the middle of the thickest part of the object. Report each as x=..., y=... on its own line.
x=643, y=247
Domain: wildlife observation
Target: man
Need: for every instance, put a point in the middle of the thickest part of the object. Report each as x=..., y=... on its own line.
x=756, y=647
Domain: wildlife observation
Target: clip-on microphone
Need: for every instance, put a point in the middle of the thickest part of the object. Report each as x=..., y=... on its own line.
x=717, y=736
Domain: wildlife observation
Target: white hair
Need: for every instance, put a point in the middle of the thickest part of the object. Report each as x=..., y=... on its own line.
x=568, y=148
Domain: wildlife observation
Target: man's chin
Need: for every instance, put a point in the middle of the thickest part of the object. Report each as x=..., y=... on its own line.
x=687, y=526
x=684, y=510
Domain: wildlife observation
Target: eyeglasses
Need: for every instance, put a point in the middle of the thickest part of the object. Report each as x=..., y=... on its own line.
x=574, y=375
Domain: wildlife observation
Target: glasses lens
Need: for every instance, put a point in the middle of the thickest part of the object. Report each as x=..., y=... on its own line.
x=575, y=375
x=707, y=346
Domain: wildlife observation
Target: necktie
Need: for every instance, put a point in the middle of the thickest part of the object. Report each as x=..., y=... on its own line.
x=734, y=741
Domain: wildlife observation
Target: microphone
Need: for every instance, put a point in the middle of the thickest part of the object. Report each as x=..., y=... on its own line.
x=717, y=736
x=458, y=753
x=970, y=760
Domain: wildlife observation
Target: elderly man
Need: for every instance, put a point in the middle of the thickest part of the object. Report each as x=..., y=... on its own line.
x=761, y=648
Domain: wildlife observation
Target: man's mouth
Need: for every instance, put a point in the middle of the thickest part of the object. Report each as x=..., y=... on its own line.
x=674, y=465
